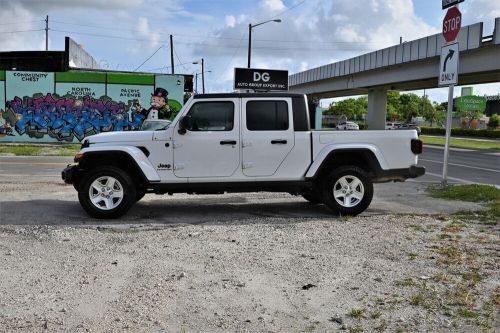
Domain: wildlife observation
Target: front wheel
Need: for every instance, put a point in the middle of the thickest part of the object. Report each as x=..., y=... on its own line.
x=107, y=192
x=348, y=190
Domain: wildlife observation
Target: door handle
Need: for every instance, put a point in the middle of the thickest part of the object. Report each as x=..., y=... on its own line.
x=278, y=142
x=228, y=142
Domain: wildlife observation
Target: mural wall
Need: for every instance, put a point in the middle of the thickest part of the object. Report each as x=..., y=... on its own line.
x=67, y=106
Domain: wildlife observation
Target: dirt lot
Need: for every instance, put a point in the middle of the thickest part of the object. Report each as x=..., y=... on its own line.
x=246, y=263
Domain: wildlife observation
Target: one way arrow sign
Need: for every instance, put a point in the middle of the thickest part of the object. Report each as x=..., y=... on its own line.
x=448, y=69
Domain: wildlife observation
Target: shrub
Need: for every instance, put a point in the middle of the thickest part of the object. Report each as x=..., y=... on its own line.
x=494, y=121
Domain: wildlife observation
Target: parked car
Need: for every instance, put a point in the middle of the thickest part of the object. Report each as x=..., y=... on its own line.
x=348, y=126
x=409, y=126
x=392, y=125
x=230, y=142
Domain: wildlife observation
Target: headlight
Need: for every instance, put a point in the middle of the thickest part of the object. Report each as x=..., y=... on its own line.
x=78, y=157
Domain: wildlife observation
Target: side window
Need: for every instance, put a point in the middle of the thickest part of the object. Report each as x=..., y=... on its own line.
x=211, y=116
x=267, y=115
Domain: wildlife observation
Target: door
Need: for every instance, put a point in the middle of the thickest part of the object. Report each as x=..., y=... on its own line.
x=211, y=145
x=267, y=135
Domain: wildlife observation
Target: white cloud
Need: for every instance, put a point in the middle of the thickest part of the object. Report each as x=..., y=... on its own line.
x=272, y=5
x=108, y=4
x=21, y=35
x=230, y=21
x=144, y=30
x=481, y=11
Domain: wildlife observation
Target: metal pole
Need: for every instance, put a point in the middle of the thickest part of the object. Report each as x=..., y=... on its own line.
x=444, y=182
x=172, y=53
x=47, y=33
x=249, y=43
x=196, y=83
x=202, y=76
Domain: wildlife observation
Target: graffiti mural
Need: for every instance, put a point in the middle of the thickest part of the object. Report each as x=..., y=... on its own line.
x=66, y=118
x=69, y=106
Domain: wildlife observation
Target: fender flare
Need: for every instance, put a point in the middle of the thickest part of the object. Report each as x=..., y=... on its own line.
x=136, y=154
x=327, y=151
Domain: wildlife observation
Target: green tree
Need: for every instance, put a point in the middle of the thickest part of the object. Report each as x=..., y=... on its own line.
x=429, y=111
x=393, y=105
x=351, y=108
x=410, y=106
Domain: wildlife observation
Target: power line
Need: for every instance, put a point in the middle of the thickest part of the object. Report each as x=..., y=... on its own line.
x=19, y=31
x=166, y=67
x=18, y=22
x=200, y=36
x=179, y=60
x=287, y=10
x=151, y=56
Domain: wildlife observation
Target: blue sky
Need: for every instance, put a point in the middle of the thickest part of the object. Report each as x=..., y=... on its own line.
x=122, y=34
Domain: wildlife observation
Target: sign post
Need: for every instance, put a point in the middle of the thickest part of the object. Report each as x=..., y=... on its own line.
x=448, y=70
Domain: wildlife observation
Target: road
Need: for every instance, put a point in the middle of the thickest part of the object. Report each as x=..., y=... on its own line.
x=465, y=165
x=31, y=191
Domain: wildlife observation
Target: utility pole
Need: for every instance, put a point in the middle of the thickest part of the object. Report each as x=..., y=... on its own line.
x=249, y=43
x=172, y=53
x=47, y=33
x=202, y=76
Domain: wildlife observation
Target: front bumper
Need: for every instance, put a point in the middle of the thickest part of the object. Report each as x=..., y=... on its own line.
x=69, y=173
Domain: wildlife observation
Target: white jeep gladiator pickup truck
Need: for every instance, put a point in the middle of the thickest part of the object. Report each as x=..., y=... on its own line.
x=241, y=142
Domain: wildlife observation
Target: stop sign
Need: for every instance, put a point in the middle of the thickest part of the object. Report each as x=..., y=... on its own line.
x=451, y=24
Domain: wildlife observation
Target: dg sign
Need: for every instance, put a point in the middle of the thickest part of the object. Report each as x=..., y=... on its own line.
x=260, y=79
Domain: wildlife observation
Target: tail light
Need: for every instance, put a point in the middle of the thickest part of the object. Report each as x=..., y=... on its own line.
x=417, y=146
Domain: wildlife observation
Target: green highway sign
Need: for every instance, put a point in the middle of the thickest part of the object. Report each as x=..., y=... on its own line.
x=471, y=103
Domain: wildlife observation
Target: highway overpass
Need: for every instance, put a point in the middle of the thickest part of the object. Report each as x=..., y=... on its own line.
x=407, y=66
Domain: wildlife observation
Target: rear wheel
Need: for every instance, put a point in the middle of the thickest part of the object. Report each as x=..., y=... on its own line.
x=348, y=190
x=107, y=192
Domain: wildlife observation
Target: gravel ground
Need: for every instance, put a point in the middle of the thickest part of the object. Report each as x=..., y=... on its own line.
x=230, y=264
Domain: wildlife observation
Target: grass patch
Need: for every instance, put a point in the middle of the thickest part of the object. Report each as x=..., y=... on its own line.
x=461, y=143
x=472, y=193
x=357, y=313
x=405, y=283
x=450, y=252
x=355, y=329
x=454, y=226
x=375, y=314
x=472, y=278
x=40, y=149
x=382, y=326
x=489, y=195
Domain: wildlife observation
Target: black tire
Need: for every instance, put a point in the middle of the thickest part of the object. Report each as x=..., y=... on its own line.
x=351, y=204
x=125, y=184
x=312, y=197
x=140, y=193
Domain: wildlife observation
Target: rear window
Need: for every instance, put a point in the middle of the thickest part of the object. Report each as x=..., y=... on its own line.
x=267, y=116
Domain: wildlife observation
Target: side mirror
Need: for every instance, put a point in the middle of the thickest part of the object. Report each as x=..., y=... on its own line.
x=183, y=125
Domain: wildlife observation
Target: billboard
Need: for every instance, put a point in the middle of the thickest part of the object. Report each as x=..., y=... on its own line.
x=67, y=106
x=260, y=79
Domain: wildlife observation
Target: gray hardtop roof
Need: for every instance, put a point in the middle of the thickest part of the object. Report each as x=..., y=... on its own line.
x=247, y=95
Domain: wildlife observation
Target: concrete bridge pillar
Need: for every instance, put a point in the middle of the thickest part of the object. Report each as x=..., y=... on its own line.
x=377, y=109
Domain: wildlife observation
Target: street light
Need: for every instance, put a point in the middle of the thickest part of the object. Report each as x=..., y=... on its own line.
x=202, y=73
x=250, y=26
x=196, y=80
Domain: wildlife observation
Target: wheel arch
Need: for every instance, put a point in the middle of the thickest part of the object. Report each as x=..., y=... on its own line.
x=140, y=170
x=363, y=158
